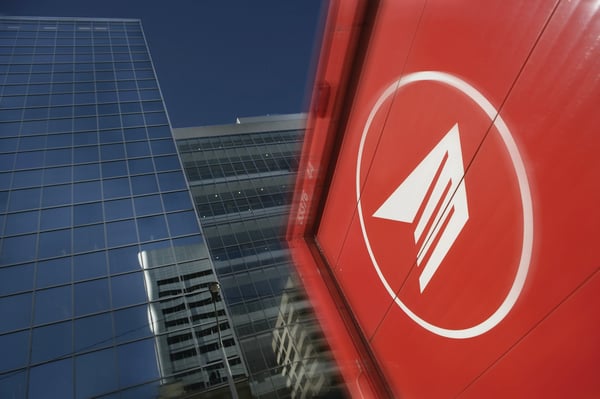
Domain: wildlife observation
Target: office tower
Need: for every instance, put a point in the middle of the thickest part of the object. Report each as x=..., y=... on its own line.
x=242, y=177
x=103, y=267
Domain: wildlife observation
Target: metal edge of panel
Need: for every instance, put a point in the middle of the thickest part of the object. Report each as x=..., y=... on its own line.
x=345, y=42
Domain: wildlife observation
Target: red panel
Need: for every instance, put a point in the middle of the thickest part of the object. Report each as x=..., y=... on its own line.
x=559, y=357
x=517, y=96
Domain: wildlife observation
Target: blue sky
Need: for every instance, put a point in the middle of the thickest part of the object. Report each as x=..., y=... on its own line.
x=218, y=59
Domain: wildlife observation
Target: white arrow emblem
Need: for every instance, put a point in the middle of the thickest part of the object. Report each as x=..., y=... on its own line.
x=443, y=169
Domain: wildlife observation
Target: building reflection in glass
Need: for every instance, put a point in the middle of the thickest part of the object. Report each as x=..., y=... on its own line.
x=182, y=318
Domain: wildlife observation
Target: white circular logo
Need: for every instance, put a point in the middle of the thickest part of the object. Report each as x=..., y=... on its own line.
x=525, y=201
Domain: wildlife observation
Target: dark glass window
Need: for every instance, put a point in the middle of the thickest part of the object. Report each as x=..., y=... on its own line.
x=16, y=279
x=58, y=375
x=54, y=243
x=57, y=175
x=96, y=373
x=112, y=151
x=90, y=265
x=172, y=181
x=91, y=297
x=15, y=351
x=53, y=272
x=142, y=165
x=128, y=289
x=87, y=213
x=183, y=223
x=27, y=178
x=147, y=205
x=55, y=218
x=56, y=195
x=152, y=228
x=141, y=357
x=93, y=332
x=138, y=149
x=24, y=199
x=86, y=172
x=87, y=191
x=145, y=184
x=118, y=209
x=85, y=138
x=162, y=147
x=51, y=342
x=114, y=169
x=18, y=249
x=114, y=188
x=158, y=132
x=179, y=200
x=111, y=136
x=23, y=222
x=132, y=323
x=88, y=238
x=16, y=312
x=58, y=157
x=124, y=259
x=121, y=233
x=53, y=304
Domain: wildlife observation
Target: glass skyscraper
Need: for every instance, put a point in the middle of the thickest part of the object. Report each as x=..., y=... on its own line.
x=103, y=267
x=242, y=178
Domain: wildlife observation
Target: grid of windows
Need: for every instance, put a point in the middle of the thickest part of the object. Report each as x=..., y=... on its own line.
x=95, y=218
x=242, y=186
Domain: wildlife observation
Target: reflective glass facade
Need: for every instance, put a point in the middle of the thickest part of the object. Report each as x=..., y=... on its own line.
x=242, y=178
x=103, y=267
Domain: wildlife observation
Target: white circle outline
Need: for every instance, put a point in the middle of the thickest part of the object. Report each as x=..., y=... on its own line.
x=519, y=167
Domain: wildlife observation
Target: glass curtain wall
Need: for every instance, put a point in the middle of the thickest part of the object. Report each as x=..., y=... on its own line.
x=103, y=267
x=242, y=185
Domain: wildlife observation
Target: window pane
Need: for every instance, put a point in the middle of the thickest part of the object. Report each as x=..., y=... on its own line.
x=51, y=342
x=128, y=289
x=139, y=166
x=131, y=323
x=24, y=199
x=15, y=348
x=147, y=205
x=52, y=305
x=16, y=311
x=18, y=249
x=53, y=272
x=137, y=363
x=177, y=201
x=86, y=172
x=87, y=213
x=114, y=169
x=172, y=181
x=88, y=191
x=183, y=223
x=152, y=228
x=93, y=332
x=88, y=238
x=124, y=259
x=96, y=373
x=144, y=184
x=15, y=279
x=114, y=188
x=90, y=265
x=54, y=218
x=121, y=233
x=118, y=209
x=91, y=297
x=24, y=222
x=13, y=385
x=54, y=243
x=56, y=195
x=27, y=178
x=55, y=377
